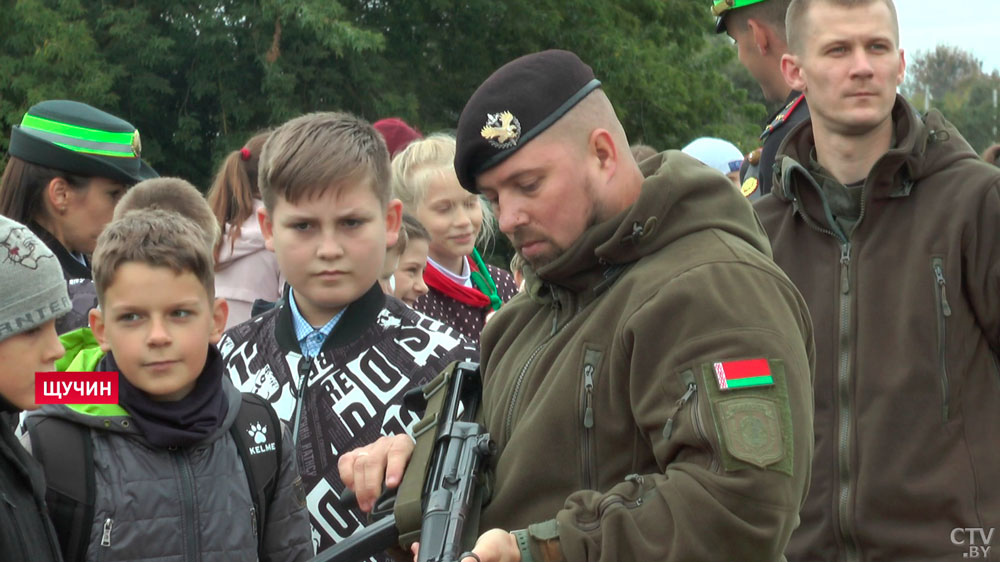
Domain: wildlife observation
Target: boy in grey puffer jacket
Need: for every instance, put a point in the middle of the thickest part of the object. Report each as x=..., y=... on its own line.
x=169, y=480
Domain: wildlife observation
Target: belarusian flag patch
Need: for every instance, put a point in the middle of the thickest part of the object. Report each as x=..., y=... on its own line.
x=747, y=373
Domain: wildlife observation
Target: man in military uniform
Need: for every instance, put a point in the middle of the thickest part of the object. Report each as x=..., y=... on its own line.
x=758, y=28
x=640, y=411
x=888, y=223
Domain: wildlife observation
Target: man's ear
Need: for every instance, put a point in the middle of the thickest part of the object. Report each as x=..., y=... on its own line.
x=393, y=220
x=266, y=227
x=96, y=318
x=902, y=68
x=220, y=313
x=602, y=146
x=792, y=72
x=761, y=36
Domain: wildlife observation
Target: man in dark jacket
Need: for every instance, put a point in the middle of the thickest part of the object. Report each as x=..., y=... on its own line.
x=33, y=296
x=758, y=29
x=640, y=411
x=888, y=223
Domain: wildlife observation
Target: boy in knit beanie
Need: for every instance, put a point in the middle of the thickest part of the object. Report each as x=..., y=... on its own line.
x=33, y=296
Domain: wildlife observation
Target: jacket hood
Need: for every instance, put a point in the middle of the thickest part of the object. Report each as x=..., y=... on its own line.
x=82, y=351
x=250, y=240
x=114, y=418
x=924, y=146
x=679, y=196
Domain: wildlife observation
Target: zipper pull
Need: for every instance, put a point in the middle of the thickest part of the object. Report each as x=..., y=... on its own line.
x=106, y=536
x=668, y=429
x=253, y=520
x=588, y=384
x=945, y=307
x=845, y=266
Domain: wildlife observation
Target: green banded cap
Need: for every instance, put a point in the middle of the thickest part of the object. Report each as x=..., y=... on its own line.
x=77, y=138
x=720, y=7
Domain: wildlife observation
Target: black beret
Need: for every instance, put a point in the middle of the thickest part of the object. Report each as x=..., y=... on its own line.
x=74, y=137
x=515, y=104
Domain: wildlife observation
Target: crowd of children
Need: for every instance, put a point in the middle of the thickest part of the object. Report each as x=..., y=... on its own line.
x=225, y=439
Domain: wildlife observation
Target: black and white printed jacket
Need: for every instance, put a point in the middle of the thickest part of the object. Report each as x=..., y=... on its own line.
x=354, y=387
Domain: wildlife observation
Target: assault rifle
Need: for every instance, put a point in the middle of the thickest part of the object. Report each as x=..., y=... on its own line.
x=440, y=496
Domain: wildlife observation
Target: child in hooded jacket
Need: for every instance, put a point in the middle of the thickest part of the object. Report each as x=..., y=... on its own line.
x=34, y=296
x=169, y=482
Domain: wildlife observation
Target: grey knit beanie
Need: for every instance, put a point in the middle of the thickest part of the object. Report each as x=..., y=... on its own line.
x=32, y=289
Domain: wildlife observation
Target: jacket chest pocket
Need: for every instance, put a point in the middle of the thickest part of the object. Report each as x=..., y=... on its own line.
x=589, y=368
x=943, y=313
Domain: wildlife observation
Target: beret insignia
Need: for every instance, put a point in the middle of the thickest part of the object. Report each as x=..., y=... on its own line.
x=502, y=130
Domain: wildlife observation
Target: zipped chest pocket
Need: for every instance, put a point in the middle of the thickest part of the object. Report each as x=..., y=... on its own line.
x=589, y=370
x=943, y=309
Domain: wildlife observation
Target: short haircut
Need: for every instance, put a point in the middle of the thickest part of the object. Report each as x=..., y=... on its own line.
x=798, y=9
x=414, y=229
x=771, y=12
x=157, y=238
x=172, y=194
x=420, y=163
x=319, y=151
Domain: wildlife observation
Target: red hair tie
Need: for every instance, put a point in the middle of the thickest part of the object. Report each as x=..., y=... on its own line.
x=244, y=154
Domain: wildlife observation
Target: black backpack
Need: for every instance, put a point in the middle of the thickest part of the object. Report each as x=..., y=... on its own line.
x=63, y=447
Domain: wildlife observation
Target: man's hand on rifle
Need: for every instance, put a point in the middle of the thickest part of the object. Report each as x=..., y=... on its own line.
x=364, y=469
x=495, y=545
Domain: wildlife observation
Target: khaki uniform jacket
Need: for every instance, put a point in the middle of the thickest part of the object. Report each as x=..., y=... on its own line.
x=601, y=394
x=907, y=317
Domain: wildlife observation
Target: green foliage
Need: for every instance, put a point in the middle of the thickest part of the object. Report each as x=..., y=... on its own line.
x=199, y=78
x=959, y=89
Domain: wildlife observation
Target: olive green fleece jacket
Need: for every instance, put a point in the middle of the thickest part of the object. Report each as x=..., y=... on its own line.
x=601, y=391
x=907, y=318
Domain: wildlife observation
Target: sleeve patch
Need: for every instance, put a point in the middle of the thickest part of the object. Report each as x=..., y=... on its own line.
x=747, y=373
x=752, y=419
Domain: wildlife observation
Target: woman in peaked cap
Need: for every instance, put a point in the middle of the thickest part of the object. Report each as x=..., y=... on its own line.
x=69, y=163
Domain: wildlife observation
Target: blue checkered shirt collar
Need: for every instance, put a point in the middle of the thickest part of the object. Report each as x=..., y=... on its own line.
x=310, y=339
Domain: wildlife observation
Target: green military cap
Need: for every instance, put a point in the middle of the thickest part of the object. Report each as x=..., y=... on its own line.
x=720, y=7
x=74, y=137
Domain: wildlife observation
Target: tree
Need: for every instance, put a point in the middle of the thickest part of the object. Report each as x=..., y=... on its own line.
x=959, y=89
x=939, y=71
x=199, y=77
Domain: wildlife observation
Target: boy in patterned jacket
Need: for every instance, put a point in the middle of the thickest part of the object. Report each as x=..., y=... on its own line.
x=336, y=354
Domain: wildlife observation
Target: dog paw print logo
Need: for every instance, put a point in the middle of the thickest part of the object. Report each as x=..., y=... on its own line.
x=21, y=249
x=258, y=432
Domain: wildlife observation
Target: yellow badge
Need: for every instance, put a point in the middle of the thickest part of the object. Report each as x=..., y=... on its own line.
x=749, y=187
x=136, y=144
x=502, y=130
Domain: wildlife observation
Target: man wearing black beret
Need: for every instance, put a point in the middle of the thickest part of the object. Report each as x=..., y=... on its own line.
x=650, y=394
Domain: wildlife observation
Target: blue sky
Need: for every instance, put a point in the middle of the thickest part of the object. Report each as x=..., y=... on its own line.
x=973, y=25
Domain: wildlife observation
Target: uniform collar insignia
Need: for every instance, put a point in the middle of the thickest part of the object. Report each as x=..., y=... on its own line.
x=780, y=119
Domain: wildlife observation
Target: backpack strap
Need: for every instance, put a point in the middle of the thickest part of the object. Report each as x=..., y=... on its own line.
x=257, y=433
x=66, y=453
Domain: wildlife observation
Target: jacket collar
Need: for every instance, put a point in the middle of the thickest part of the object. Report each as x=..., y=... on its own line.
x=358, y=316
x=924, y=145
x=679, y=196
x=72, y=269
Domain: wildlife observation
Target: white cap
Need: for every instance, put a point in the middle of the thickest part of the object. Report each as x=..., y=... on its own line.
x=717, y=153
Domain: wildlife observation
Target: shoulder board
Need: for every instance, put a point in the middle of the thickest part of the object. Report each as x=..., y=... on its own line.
x=780, y=119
